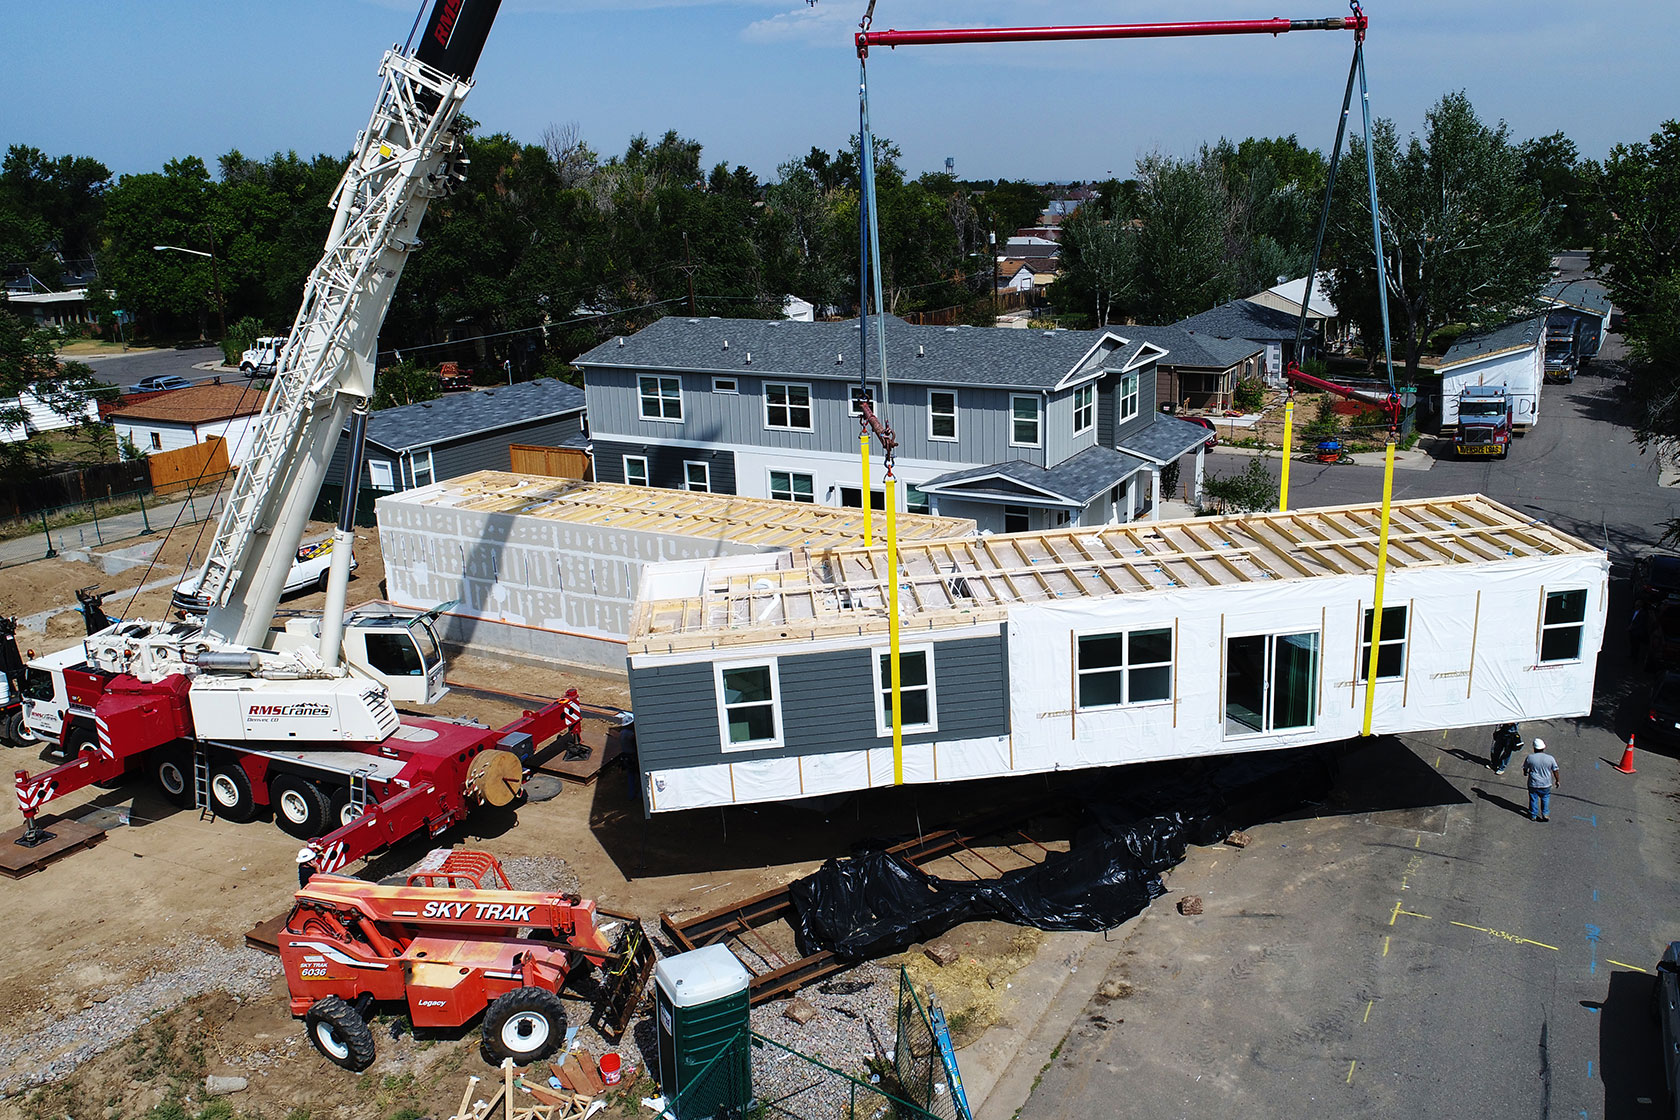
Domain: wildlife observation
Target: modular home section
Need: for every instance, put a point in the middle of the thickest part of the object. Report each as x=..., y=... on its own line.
x=550, y=568
x=1076, y=648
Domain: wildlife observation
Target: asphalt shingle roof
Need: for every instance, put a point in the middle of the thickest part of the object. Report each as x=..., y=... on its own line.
x=1588, y=295
x=1165, y=439
x=457, y=415
x=965, y=356
x=1242, y=319
x=1076, y=480
x=1192, y=349
x=200, y=404
x=1514, y=335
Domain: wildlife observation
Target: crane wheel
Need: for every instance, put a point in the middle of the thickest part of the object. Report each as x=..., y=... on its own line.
x=173, y=773
x=18, y=731
x=230, y=793
x=340, y=812
x=342, y=1036
x=526, y=1024
x=300, y=808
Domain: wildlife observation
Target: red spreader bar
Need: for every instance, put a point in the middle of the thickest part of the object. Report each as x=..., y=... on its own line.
x=892, y=38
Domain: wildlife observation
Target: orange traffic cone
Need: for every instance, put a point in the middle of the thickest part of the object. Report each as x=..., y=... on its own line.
x=1626, y=765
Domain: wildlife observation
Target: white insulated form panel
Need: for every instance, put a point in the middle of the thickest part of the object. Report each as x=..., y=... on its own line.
x=1472, y=654
x=1521, y=371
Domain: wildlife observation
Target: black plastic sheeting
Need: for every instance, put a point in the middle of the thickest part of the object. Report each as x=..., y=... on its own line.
x=874, y=903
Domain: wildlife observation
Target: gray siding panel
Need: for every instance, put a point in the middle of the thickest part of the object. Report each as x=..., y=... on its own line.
x=723, y=419
x=1146, y=404
x=487, y=451
x=665, y=464
x=827, y=704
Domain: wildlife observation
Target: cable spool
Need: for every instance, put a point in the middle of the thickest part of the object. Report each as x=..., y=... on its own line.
x=497, y=777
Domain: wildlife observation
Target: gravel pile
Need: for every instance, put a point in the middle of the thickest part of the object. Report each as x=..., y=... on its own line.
x=49, y=1048
x=542, y=873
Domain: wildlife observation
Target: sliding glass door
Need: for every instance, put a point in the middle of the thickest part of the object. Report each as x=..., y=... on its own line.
x=1271, y=682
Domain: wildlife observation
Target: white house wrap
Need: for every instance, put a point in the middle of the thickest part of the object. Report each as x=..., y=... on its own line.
x=1097, y=647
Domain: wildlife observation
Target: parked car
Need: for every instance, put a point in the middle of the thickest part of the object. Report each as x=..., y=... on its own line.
x=1665, y=1001
x=1204, y=422
x=160, y=383
x=1662, y=711
x=1656, y=577
x=309, y=572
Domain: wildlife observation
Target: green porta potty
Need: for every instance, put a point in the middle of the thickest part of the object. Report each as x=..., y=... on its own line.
x=705, y=1060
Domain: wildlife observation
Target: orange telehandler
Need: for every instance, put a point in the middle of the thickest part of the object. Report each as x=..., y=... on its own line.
x=455, y=940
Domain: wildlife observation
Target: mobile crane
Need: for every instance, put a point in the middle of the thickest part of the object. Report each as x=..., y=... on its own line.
x=452, y=941
x=227, y=715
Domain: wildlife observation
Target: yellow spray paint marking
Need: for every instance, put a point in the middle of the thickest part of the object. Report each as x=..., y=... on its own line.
x=1418, y=843
x=1351, y=1066
x=1368, y=1005
x=1385, y=945
x=1392, y=918
x=1622, y=964
x=1503, y=936
x=1437, y=762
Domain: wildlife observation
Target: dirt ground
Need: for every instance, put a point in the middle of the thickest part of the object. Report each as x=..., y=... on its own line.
x=126, y=960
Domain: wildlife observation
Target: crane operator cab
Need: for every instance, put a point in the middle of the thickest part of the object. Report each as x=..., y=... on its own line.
x=401, y=652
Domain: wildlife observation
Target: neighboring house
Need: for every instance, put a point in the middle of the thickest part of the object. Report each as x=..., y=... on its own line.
x=1512, y=355
x=183, y=417
x=40, y=416
x=1014, y=276
x=1030, y=246
x=1321, y=310
x=51, y=309
x=416, y=445
x=1013, y=429
x=762, y=679
x=1271, y=329
x=1200, y=371
x=799, y=310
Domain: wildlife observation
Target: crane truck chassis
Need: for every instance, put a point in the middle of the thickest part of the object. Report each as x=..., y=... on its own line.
x=451, y=942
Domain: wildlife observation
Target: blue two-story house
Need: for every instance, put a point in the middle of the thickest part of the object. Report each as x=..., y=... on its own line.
x=1018, y=430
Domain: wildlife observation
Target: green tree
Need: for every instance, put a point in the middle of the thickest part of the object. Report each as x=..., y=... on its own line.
x=29, y=362
x=1566, y=183
x=1099, y=264
x=1013, y=205
x=1641, y=252
x=1252, y=491
x=1185, y=238
x=1465, y=236
x=50, y=209
x=404, y=383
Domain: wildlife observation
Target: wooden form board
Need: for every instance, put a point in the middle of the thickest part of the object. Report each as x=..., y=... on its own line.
x=953, y=583
x=754, y=521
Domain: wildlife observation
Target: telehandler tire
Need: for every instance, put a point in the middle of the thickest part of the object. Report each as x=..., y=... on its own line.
x=526, y=1024
x=342, y=1036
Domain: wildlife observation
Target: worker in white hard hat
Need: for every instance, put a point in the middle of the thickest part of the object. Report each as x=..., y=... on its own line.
x=1541, y=770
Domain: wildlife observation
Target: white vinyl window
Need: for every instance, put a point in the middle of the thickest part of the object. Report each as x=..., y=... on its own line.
x=787, y=407
x=1024, y=424
x=635, y=470
x=380, y=475
x=916, y=500
x=1391, y=650
x=942, y=414
x=1084, y=408
x=749, y=705
x=1134, y=667
x=858, y=393
x=1128, y=396
x=420, y=468
x=791, y=486
x=918, y=705
x=1562, y=624
x=661, y=398
x=697, y=477
x=724, y=385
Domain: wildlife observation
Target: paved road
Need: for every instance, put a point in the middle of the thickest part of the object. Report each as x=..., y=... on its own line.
x=126, y=369
x=1421, y=949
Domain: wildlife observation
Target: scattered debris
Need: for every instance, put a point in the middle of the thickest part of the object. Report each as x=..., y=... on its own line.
x=219, y=1086
x=800, y=1011
x=1114, y=989
x=1190, y=904
x=1239, y=839
x=942, y=953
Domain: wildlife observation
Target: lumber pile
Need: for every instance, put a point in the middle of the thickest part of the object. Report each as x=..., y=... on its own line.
x=515, y=1098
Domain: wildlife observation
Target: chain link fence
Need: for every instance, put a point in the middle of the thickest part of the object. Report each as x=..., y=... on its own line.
x=918, y=1062
x=51, y=532
x=775, y=1081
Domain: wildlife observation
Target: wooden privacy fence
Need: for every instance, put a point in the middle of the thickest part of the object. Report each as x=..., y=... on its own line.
x=202, y=463
x=552, y=462
x=106, y=480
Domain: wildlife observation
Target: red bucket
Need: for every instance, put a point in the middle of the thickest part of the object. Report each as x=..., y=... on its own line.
x=611, y=1068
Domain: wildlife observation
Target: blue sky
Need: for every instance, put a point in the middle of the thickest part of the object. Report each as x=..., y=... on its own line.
x=760, y=81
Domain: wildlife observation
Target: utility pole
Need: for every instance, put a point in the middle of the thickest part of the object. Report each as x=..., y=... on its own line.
x=688, y=269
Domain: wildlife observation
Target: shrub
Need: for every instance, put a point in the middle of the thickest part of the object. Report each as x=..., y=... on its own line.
x=1249, y=395
x=1251, y=491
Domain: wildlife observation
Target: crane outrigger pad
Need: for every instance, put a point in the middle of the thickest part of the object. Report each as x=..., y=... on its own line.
x=60, y=836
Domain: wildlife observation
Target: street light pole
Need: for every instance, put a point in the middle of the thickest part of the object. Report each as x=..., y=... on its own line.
x=215, y=273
